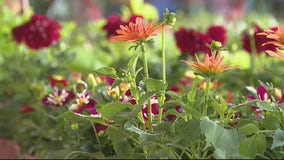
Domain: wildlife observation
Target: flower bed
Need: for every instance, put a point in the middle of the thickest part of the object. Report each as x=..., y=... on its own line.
x=141, y=89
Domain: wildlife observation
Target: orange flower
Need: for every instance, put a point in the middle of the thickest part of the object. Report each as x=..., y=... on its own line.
x=277, y=37
x=211, y=66
x=136, y=32
x=278, y=54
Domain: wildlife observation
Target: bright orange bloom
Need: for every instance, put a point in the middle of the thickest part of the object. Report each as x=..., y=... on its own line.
x=136, y=32
x=277, y=37
x=278, y=54
x=211, y=66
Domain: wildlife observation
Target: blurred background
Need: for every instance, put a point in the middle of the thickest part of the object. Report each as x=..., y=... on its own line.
x=85, y=10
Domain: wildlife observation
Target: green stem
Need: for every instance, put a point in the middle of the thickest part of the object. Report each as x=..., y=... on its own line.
x=146, y=76
x=162, y=100
x=208, y=81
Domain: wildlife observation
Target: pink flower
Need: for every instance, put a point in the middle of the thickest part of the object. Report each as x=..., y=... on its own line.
x=26, y=109
x=39, y=32
x=259, y=40
x=58, y=98
x=217, y=33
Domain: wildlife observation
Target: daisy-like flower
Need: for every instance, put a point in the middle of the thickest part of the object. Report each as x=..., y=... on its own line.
x=58, y=98
x=84, y=102
x=136, y=32
x=277, y=39
x=212, y=65
x=56, y=80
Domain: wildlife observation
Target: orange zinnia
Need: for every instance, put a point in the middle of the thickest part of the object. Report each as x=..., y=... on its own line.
x=277, y=37
x=211, y=66
x=136, y=32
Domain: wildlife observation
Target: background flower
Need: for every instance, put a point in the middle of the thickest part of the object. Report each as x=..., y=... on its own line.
x=39, y=32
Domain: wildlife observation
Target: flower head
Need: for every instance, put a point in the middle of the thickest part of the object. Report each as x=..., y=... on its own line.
x=136, y=32
x=276, y=36
x=39, y=32
x=113, y=23
x=259, y=39
x=56, y=80
x=217, y=33
x=212, y=65
x=58, y=98
x=85, y=102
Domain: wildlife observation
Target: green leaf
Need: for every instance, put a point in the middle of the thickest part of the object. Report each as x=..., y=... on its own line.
x=122, y=148
x=218, y=108
x=271, y=122
x=106, y=71
x=175, y=96
x=155, y=85
x=132, y=64
x=111, y=109
x=75, y=117
x=261, y=143
x=143, y=135
x=264, y=105
x=145, y=97
x=187, y=131
x=117, y=82
x=249, y=129
x=192, y=111
x=248, y=147
x=278, y=140
x=225, y=141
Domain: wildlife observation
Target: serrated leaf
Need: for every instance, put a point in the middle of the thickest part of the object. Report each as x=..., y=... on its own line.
x=252, y=90
x=187, y=131
x=122, y=148
x=75, y=117
x=106, y=71
x=155, y=85
x=175, y=96
x=218, y=108
x=192, y=111
x=111, y=109
x=249, y=129
x=264, y=105
x=278, y=140
x=116, y=83
x=145, y=97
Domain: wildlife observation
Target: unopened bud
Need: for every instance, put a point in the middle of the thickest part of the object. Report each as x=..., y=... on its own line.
x=170, y=17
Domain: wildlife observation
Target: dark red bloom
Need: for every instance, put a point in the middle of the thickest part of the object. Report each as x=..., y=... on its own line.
x=26, y=109
x=39, y=32
x=113, y=23
x=191, y=41
x=258, y=39
x=56, y=80
x=217, y=33
x=132, y=18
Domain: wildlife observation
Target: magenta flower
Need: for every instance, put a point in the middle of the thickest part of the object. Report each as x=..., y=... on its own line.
x=217, y=33
x=39, y=32
x=58, y=98
x=262, y=95
x=190, y=41
x=155, y=108
x=113, y=23
x=85, y=102
x=258, y=39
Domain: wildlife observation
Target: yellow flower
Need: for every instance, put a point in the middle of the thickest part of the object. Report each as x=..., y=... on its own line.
x=212, y=65
x=136, y=32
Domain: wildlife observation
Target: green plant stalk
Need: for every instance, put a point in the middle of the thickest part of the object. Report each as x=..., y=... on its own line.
x=163, y=73
x=96, y=134
x=207, y=90
x=253, y=53
x=146, y=76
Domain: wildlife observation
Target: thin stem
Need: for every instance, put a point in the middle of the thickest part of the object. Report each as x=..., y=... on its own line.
x=208, y=81
x=96, y=134
x=162, y=100
x=146, y=76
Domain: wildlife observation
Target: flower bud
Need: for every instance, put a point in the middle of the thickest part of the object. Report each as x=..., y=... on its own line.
x=169, y=17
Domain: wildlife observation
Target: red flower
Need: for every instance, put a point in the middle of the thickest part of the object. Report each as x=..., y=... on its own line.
x=259, y=40
x=113, y=23
x=56, y=80
x=191, y=41
x=217, y=33
x=132, y=18
x=39, y=32
x=26, y=109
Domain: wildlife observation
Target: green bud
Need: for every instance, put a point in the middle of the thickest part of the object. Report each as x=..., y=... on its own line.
x=170, y=17
x=215, y=45
x=75, y=126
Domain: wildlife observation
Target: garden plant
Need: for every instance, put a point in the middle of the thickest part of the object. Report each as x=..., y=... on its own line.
x=140, y=86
